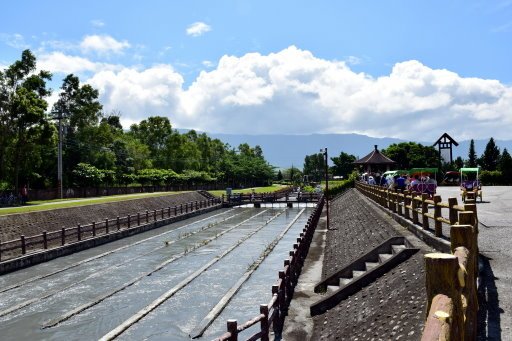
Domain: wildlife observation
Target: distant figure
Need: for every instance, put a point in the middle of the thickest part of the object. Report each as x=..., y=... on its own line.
x=371, y=180
x=24, y=195
x=400, y=183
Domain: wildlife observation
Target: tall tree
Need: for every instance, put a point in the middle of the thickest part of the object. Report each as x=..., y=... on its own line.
x=410, y=154
x=23, y=121
x=155, y=132
x=491, y=156
x=472, y=157
x=84, y=141
x=343, y=164
x=314, y=166
x=505, y=166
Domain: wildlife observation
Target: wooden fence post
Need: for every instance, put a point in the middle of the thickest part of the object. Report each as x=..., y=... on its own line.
x=154, y=215
x=233, y=330
x=63, y=236
x=79, y=232
x=264, y=322
x=438, y=225
x=441, y=271
x=401, y=200
x=106, y=226
x=45, y=240
x=118, y=223
x=129, y=220
x=23, y=245
x=452, y=202
x=407, y=203
x=138, y=218
x=94, y=229
x=414, y=208
x=464, y=236
x=424, y=211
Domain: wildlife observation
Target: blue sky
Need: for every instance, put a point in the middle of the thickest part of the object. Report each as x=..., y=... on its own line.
x=282, y=66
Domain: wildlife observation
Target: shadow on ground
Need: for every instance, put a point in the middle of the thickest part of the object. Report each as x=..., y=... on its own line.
x=489, y=322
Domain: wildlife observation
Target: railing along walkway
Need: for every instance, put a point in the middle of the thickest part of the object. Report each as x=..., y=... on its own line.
x=271, y=317
x=451, y=278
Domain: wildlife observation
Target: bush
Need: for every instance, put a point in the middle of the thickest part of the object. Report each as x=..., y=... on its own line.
x=491, y=178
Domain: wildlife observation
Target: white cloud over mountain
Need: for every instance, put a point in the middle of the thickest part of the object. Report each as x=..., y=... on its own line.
x=102, y=44
x=197, y=29
x=294, y=92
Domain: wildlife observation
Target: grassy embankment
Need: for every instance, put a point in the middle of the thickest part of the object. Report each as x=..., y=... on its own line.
x=43, y=205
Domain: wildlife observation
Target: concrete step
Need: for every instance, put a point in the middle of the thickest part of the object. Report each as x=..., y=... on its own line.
x=344, y=281
x=357, y=273
x=371, y=265
x=397, y=248
x=332, y=288
x=384, y=257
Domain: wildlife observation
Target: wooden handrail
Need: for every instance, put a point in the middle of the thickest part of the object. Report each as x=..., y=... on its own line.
x=451, y=279
x=282, y=290
x=80, y=232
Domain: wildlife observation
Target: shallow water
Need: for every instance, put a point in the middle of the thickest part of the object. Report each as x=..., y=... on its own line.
x=153, y=263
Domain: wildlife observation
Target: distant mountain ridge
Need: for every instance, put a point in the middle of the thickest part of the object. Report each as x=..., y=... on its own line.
x=283, y=151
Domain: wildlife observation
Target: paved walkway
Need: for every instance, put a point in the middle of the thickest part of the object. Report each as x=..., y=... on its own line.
x=495, y=243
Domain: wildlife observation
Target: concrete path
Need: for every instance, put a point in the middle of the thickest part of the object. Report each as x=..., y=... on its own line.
x=495, y=243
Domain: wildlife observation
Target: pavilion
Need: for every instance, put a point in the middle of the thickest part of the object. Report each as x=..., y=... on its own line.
x=375, y=159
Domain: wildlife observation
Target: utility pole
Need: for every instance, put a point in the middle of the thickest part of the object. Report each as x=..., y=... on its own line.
x=59, y=117
x=326, y=185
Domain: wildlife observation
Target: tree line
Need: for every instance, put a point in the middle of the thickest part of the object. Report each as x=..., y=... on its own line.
x=496, y=166
x=96, y=149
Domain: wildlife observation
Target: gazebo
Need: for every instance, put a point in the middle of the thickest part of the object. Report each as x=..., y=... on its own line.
x=375, y=159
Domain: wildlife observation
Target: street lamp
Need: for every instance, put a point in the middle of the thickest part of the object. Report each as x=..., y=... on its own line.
x=324, y=151
x=58, y=116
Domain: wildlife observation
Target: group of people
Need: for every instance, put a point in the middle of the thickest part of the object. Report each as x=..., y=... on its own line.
x=399, y=182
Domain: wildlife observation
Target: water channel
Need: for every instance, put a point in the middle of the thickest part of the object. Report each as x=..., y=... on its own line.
x=158, y=285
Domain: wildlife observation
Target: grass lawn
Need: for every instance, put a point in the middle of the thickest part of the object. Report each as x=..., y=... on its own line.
x=42, y=205
x=267, y=189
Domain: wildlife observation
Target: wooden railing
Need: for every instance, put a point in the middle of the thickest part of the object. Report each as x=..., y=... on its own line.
x=241, y=198
x=418, y=208
x=272, y=315
x=48, y=239
x=451, y=281
x=451, y=278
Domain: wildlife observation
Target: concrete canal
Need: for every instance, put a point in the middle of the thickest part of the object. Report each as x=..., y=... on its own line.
x=159, y=285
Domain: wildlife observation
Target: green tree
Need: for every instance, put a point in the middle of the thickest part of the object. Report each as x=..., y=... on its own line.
x=155, y=132
x=505, y=166
x=314, y=166
x=279, y=176
x=343, y=164
x=84, y=141
x=23, y=122
x=86, y=175
x=410, y=154
x=491, y=156
x=472, y=157
x=459, y=163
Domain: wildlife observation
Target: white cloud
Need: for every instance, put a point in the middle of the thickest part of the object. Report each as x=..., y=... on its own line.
x=103, y=44
x=197, y=29
x=208, y=63
x=294, y=92
x=58, y=62
x=15, y=40
x=139, y=94
x=97, y=23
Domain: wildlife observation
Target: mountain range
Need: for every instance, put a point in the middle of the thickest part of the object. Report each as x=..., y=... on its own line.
x=284, y=151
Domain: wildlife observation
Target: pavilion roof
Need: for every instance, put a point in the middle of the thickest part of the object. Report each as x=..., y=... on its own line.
x=375, y=157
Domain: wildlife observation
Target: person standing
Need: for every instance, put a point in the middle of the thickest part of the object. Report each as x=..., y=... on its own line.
x=24, y=194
